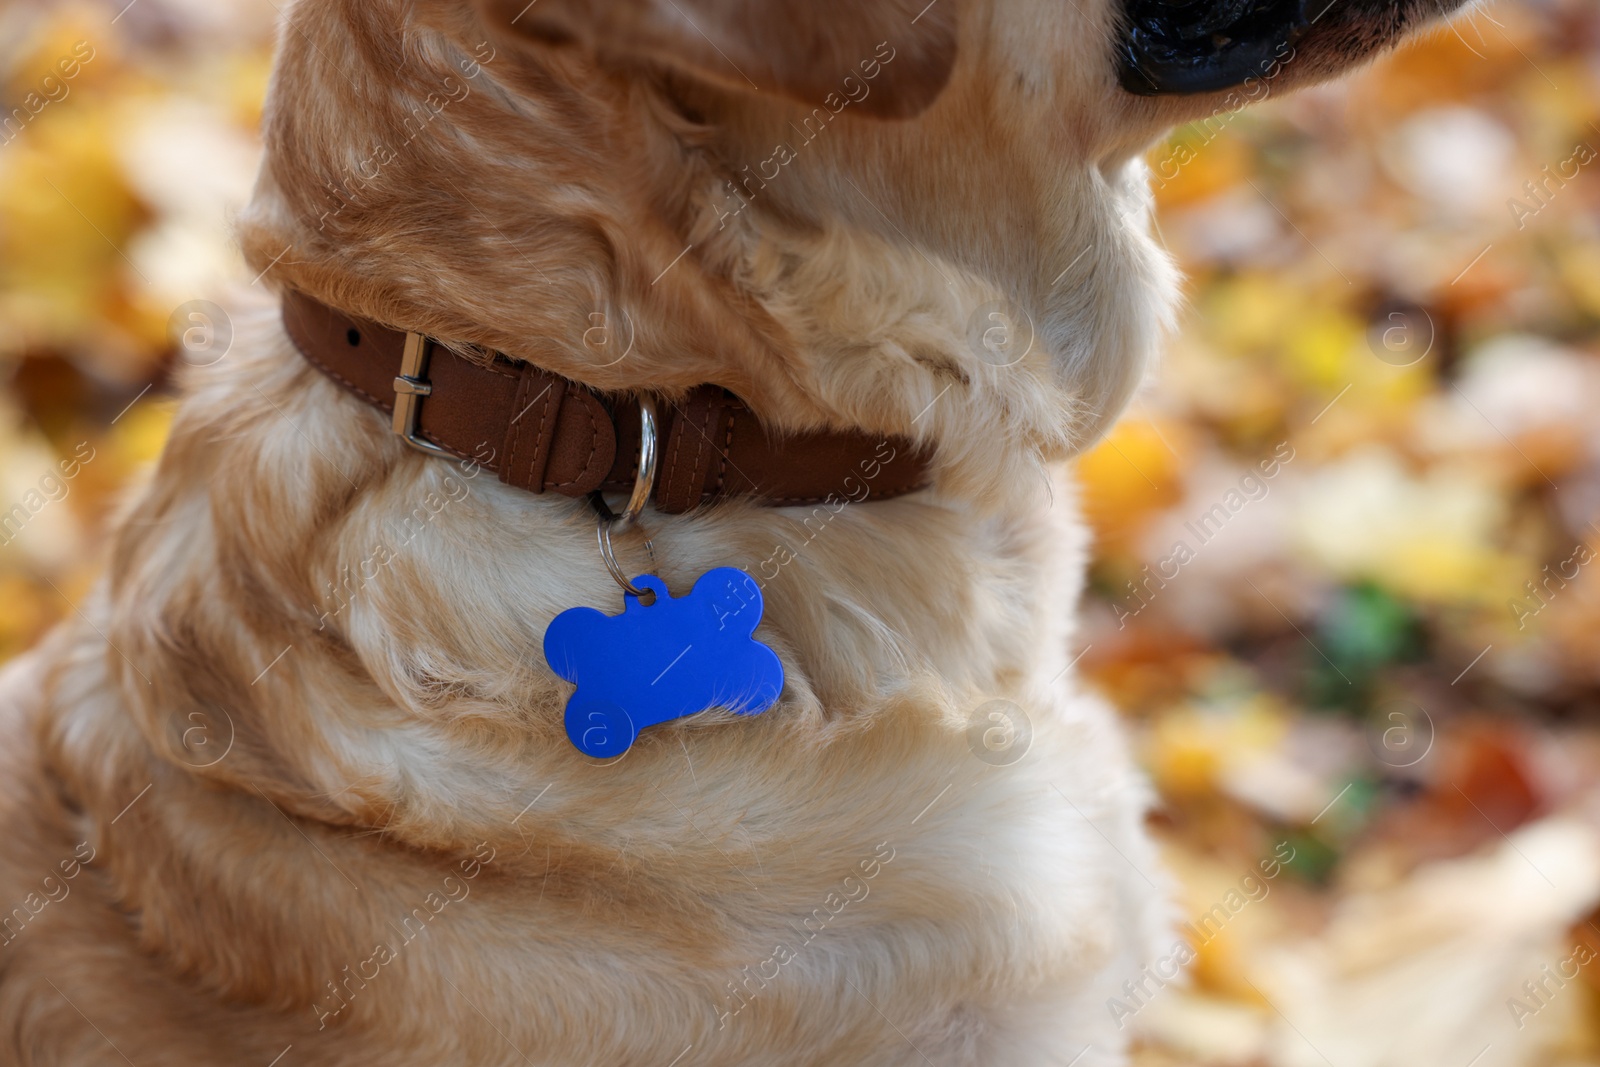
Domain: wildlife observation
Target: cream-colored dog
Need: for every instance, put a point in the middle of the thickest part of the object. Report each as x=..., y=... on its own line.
x=293, y=787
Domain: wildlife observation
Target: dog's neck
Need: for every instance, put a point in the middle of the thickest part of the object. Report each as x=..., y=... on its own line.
x=363, y=612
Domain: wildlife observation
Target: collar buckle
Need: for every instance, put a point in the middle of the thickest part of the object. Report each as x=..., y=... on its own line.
x=410, y=386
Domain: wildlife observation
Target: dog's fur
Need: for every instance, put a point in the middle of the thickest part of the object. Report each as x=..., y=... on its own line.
x=305, y=714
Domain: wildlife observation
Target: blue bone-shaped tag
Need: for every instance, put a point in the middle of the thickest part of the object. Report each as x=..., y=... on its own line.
x=672, y=658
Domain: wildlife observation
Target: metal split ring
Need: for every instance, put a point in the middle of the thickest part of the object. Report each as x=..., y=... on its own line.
x=644, y=482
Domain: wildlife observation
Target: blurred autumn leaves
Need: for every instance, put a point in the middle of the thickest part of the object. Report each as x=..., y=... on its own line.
x=124, y=146
x=1386, y=653
x=1373, y=437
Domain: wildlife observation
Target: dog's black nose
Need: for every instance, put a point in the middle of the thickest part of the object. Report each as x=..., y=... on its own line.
x=1204, y=46
x=1199, y=46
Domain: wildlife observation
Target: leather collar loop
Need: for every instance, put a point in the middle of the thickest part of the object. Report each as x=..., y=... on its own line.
x=543, y=433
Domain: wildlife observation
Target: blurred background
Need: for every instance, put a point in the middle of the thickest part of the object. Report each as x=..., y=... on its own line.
x=1342, y=589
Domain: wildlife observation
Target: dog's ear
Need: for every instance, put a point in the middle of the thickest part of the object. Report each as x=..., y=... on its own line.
x=805, y=50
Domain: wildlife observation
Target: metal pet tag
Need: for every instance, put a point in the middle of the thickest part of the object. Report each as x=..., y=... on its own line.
x=664, y=660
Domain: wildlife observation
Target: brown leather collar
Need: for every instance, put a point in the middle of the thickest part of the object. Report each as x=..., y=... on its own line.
x=538, y=431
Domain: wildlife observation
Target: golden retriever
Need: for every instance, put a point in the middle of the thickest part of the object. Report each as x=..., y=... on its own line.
x=292, y=787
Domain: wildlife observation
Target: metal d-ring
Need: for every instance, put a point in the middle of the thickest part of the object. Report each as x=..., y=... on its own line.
x=644, y=482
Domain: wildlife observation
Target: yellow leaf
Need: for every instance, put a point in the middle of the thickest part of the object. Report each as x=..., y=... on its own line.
x=1129, y=476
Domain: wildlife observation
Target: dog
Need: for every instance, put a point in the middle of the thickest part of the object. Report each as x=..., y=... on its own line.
x=294, y=785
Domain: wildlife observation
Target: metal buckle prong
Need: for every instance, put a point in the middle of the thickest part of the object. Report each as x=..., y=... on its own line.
x=409, y=388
